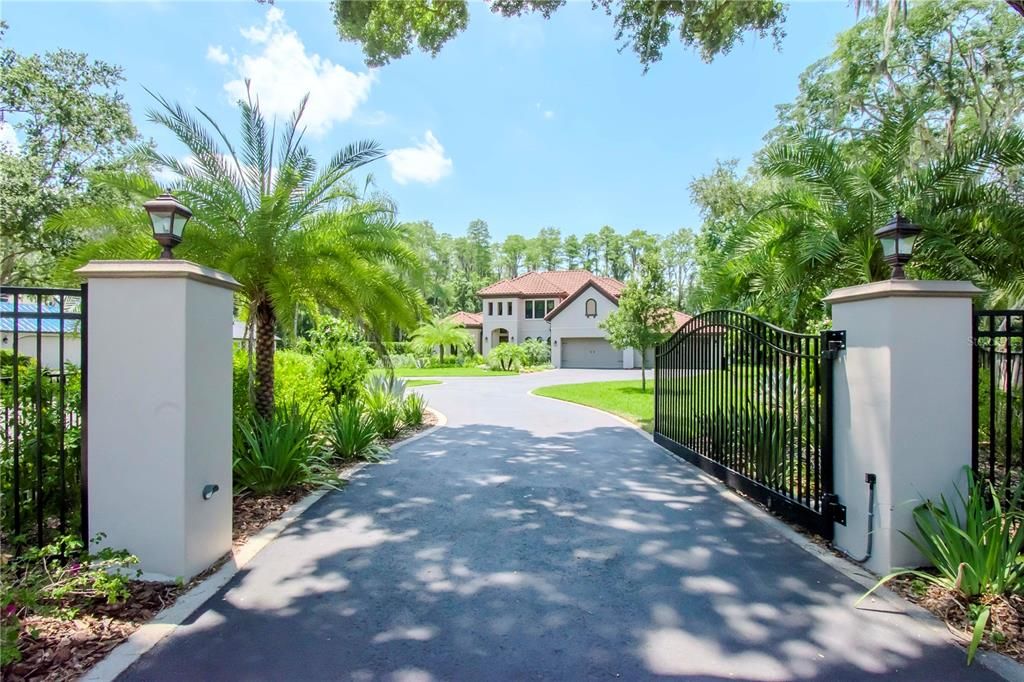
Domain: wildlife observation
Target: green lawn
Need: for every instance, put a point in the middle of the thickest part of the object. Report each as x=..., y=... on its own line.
x=623, y=398
x=413, y=383
x=449, y=372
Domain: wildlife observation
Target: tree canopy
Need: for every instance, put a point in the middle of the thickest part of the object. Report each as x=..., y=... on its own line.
x=391, y=29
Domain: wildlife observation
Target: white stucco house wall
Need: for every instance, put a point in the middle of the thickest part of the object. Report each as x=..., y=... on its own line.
x=562, y=308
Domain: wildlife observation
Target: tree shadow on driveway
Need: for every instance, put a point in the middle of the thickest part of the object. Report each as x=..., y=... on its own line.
x=487, y=552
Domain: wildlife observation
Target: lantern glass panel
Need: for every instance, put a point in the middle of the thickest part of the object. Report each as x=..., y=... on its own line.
x=907, y=244
x=888, y=246
x=162, y=221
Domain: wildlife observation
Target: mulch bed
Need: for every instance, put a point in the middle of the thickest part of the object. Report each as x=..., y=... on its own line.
x=57, y=650
x=1005, y=631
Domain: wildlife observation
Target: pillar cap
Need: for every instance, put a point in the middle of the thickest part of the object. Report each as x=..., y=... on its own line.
x=919, y=288
x=157, y=269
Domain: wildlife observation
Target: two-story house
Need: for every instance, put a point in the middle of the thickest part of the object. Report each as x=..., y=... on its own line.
x=562, y=308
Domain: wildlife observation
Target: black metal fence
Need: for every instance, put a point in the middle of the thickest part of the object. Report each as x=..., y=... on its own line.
x=42, y=395
x=997, y=398
x=751, y=403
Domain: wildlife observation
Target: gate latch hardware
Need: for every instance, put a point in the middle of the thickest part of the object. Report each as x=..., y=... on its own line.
x=835, y=341
x=836, y=511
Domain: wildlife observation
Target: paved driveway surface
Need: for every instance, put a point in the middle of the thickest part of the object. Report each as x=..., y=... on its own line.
x=531, y=539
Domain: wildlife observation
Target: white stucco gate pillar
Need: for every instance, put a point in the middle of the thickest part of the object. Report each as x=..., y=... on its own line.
x=159, y=412
x=902, y=407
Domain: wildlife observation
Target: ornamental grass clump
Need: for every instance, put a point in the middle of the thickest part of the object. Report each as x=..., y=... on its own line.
x=974, y=544
x=384, y=409
x=273, y=455
x=350, y=432
x=412, y=409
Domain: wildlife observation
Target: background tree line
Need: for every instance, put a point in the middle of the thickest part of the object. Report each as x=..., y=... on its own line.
x=458, y=266
x=924, y=116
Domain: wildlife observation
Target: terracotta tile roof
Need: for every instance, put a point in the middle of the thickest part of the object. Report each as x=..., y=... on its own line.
x=467, y=319
x=559, y=283
x=679, y=319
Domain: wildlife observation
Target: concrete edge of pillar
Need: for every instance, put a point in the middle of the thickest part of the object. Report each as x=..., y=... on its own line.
x=114, y=269
x=922, y=288
x=149, y=634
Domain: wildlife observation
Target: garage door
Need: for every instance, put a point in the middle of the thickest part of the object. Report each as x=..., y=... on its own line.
x=590, y=354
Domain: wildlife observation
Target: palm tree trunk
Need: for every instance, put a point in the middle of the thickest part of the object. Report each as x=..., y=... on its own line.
x=266, y=322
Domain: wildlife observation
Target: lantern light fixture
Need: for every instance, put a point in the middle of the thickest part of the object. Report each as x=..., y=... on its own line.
x=168, y=217
x=897, y=238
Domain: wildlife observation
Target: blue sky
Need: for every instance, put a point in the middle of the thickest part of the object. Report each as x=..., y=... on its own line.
x=525, y=123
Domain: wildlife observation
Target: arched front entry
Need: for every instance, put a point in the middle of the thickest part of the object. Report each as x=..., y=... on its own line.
x=499, y=335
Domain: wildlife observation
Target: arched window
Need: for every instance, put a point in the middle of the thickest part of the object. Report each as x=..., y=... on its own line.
x=591, y=308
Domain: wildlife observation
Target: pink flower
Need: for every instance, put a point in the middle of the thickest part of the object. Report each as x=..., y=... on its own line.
x=9, y=610
x=74, y=568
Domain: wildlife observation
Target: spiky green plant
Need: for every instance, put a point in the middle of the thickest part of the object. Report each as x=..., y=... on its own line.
x=974, y=543
x=350, y=432
x=413, y=408
x=384, y=410
x=276, y=454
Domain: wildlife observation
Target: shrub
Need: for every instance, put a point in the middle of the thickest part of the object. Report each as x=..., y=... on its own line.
x=296, y=382
x=412, y=409
x=342, y=370
x=507, y=357
x=43, y=428
x=974, y=543
x=350, y=432
x=405, y=362
x=537, y=352
x=469, y=360
x=274, y=455
x=384, y=409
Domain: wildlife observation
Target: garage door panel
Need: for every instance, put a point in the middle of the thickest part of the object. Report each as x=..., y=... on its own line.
x=592, y=353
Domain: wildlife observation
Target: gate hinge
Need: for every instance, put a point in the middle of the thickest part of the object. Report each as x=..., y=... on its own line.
x=835, y=511
x=835, y=341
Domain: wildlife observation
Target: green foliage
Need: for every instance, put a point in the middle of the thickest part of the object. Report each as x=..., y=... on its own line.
x=386, y=383
x=56, y=580
x=537, y=352
x=55, y=426
x=974, y=542
x=388, y=29
x=296, y=235
x=507, y=357
x=644, y=317
x=342, y=370
x=70, y=119
x=350, y=432
x=412, y=409
x=384, y=408
x=274, y=455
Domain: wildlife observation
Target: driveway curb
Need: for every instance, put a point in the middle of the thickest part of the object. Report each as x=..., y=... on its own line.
x=164, y=623
x=1002, y=665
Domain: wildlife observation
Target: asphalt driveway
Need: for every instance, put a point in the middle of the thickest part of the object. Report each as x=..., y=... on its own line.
x=532, y=539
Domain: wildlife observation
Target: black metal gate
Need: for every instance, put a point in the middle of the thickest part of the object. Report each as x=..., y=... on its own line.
x=42, y=435
x=997, y=395
x=752, y=404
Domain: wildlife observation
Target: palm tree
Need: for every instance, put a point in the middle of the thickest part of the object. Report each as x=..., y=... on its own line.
x=294, y=236
x=815, y=231
x=441, y=333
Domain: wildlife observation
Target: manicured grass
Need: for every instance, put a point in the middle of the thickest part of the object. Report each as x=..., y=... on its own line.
x=623, y=398
x=449, y=372
x=413, y=383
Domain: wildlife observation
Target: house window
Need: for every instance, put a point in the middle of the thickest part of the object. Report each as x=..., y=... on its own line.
x=590, y=308
x=501, y=305
x=537, y=309
x=490, y=307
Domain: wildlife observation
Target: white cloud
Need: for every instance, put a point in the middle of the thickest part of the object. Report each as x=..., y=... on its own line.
x=424, y=162
x=8, y=138
x=548, y=114
x=217, y=55
x=282, y=72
